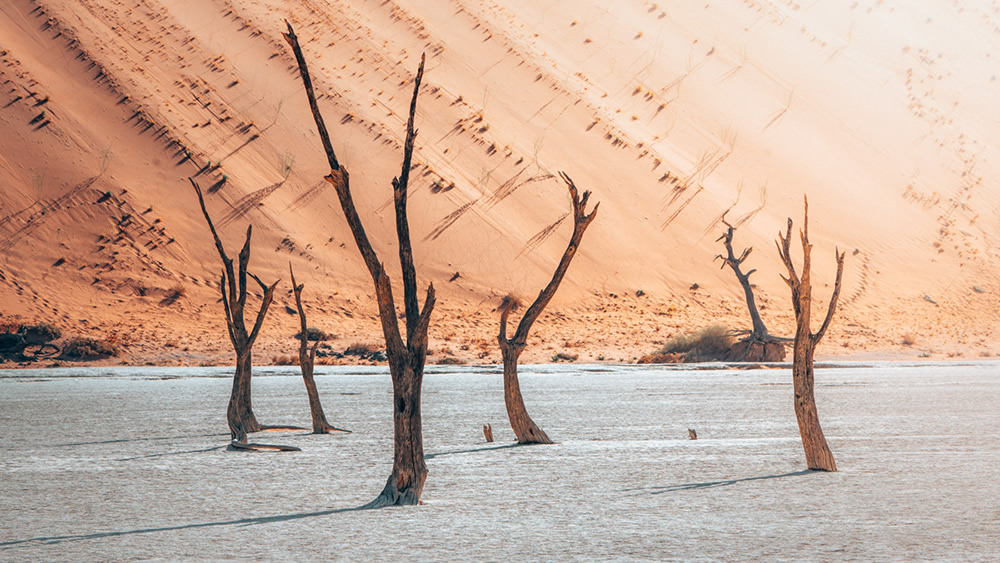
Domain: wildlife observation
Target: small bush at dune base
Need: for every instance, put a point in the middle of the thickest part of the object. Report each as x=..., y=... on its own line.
x=285, y=360
x=312, y=334
x=709, y=344
x=40, y=333
x=88, y=349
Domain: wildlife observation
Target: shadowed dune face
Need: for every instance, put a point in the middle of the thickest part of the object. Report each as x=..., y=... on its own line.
x=880, y=112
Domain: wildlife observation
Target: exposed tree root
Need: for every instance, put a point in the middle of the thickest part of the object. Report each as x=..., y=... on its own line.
x=392, y=495
x=757, y=349
x=281, y=428
x=327, y=428
x=235, y=446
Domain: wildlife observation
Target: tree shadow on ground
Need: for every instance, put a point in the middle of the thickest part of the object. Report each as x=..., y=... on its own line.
x=474, y=450
x=50, y=540
x=126, y=440
x=724, y=483
x=163, y=454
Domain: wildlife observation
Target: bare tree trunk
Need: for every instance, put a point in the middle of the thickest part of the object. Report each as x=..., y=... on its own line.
x=233, y=286
x=406, y=358
x=758, y=346
x=409, y=471
x=240, y=411
x=818, y=454
x=525, y=429
x=307, y=360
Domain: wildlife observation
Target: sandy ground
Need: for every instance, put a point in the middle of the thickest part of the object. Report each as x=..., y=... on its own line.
x=882, y=112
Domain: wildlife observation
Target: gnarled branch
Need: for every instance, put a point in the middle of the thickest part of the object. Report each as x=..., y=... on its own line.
x=581, y=220
x=525, y=429
x=729, y=259
x=233, y=287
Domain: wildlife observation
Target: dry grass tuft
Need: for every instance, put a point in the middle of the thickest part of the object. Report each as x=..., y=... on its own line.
x=81, y=348
x=709, y=344
x=285, y=360
x=313, y=334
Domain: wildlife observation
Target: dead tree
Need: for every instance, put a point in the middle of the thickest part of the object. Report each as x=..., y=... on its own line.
x=406, y=359
x=525, y=429
x=757, y=345
x=818, y=454
x=233, y=286
x=307, y=359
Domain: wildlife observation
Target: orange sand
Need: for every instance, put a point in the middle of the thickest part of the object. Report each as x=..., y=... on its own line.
x=882, y=112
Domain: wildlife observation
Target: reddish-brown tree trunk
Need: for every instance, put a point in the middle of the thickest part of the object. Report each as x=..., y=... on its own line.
x=525, y=429
x=307, y=361
x=319, y=422
x=758, y=345
x=233, y=287
x=818, y=453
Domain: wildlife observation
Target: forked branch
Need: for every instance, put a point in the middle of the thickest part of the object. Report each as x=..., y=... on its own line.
x=759, y=331
x=400, y=185
x=800, y=284
x=406, y=361
x=581, y=220
x=306, y=355
x=233, y=284
x=340, y=179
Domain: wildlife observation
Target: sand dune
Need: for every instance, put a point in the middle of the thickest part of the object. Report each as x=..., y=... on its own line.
x=881, y=112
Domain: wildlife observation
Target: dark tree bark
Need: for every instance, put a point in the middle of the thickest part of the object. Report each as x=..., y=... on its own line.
x=307, y=359
x=233, y=286
x=818, y=454
x=525, y=429
x=406, y=359
x=758, y=345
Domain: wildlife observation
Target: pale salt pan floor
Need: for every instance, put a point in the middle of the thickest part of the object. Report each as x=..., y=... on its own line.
x=128, y=463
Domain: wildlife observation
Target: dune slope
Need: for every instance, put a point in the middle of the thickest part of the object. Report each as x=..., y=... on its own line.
x=675, y=116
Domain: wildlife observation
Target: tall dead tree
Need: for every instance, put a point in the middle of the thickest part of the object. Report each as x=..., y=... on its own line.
x=758, y=345
x=818, y=454
x=307, y=360
x=406, y=359
x=233, y=286
x=525, y=429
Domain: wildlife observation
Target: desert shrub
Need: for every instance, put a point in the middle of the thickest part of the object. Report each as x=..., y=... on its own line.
x=365, y=352
x=711, y=343
x=40, y=333
x=312, y=334
x=449, y=361
x=564, y=357
x=362, y=350
x=88, y=349
x=285, y=360
x=909, y=339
